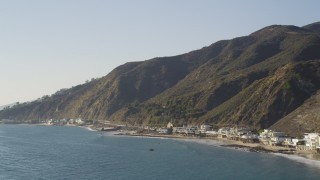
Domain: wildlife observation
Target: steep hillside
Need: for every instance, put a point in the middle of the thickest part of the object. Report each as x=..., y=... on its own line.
x=253, y=81
x=267, y=100
x=304, y=119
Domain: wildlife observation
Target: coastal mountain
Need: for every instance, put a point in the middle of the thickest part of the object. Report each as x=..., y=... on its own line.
x=254, y=80
x=6, y=106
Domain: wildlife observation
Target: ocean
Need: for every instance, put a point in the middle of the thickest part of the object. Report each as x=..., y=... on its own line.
x=57, y=152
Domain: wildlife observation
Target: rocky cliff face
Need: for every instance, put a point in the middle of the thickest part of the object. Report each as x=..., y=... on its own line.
x=252, y=81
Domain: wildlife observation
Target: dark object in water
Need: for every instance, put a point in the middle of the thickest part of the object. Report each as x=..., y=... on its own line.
x=151, y=149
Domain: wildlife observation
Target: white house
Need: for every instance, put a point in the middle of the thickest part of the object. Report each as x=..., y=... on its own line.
x=277, y=140
x=232, y=132
x=243, y=131
x=71, y=121
x=318, y=146
x=178, y=129
x=162, y=131
x=312, y=140
x=249, y=138
x=223, y=132
x=79, y=121
x=297, y=141
x=50, y=121
x=272, y=137
x=265, y=134
x=211, y=133
x=62, y=122
x=190, y=130
x=205, y=127
x=287, y=142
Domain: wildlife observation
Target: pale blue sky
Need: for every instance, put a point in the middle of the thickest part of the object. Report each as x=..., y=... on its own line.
x=46, y=45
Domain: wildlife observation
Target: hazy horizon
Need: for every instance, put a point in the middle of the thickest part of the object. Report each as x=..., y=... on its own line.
x=49, y=45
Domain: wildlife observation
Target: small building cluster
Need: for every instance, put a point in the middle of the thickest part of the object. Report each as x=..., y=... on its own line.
x=207, y=130
x=310, y=141
x=62, y=122
x=203, y=130
x=238, y=134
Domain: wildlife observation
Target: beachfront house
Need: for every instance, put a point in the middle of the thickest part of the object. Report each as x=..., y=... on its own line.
x=318, y=146
x=231, y=133
x=79, y=121
x=190, y=130
x=50, y=122
x=152, y=128
x=62, y=122
x=55, y=122
x=287, y=142
x=312, y=140
x=163, y=131
x=265, y=134
x=297, y=141
x=223, y=132
x=242, y=131
x=277, y=138
x=204, y=128
x=70, y=121
x=272, y=137
x=212, y=133
x=238, y=132
x=249, y=138
x=178, y=129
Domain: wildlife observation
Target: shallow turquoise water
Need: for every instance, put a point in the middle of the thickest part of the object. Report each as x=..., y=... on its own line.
x=41, y=152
